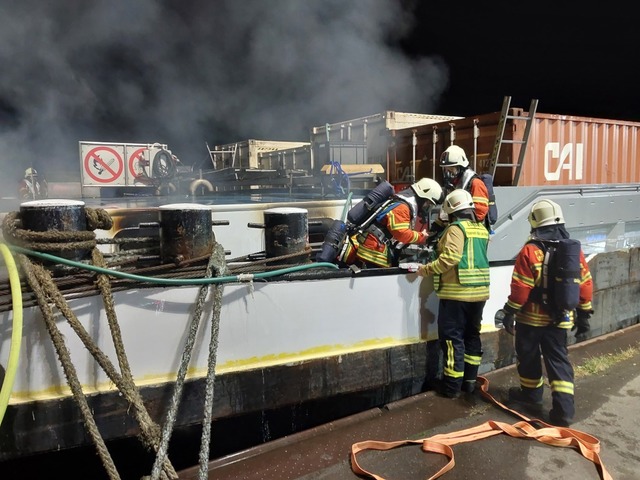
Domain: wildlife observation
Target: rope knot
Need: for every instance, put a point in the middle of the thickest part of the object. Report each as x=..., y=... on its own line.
x=98, y=219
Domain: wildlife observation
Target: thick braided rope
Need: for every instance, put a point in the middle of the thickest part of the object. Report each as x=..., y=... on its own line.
x=182, y=372
x=37, y=276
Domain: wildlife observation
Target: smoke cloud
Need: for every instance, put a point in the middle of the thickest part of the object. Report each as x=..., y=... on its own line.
x=187, y=73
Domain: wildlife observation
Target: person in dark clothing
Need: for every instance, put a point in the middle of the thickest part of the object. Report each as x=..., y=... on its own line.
x=540, y=334
x=461, y=281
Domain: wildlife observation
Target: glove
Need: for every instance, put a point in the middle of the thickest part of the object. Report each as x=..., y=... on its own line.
x=422, y=271
x=505, y=319
x=581, y=324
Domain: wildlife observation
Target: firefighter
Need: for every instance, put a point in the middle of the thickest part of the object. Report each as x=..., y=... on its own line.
x=381, y=242
x=461, y=281
x=457, y=174
x=538, y=331
x=31, y=188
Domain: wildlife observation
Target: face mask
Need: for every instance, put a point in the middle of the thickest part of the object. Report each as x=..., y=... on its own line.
x=449, y=175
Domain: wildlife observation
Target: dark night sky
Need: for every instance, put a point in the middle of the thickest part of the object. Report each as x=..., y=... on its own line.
x=186, y=72
x=575, y=58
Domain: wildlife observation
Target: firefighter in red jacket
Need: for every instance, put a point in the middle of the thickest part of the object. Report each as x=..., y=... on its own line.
x=380, y=244
x=457, y=174
x=541, y=335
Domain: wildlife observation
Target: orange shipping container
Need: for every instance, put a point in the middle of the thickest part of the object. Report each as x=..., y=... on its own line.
x=562, y=149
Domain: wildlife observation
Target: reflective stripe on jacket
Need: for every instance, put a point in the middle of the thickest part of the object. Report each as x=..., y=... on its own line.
x=527, y=273
x=461, y=269
x=398, y=222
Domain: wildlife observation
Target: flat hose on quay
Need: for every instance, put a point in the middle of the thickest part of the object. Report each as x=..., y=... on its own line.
x=533, y=429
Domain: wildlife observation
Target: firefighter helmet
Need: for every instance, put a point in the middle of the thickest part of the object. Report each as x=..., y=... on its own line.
x=457, y=200
x=428, y=189
x=30, y=172
x=545, y=212
x=454, y=156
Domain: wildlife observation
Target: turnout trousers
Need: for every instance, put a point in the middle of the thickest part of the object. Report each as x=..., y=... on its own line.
x=459, y=337
x=549, y=344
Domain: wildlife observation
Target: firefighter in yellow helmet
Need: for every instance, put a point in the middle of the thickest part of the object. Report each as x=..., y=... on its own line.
x=461, y=281
x=31, y=187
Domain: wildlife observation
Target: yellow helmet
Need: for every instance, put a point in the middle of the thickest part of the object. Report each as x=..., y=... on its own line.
x=30, y=172
x=545, y=212
x=457, y=200
x=428, y=189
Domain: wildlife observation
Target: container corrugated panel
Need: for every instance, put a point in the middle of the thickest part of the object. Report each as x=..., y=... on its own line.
x=245, y=154
x=364, y=140
x=401, y=149
x=296, y=159
x=562, y=149
x=570, y=150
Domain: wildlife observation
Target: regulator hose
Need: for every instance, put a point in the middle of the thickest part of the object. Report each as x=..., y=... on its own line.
x=243, y=277
x=16, y=334
x=347, y=205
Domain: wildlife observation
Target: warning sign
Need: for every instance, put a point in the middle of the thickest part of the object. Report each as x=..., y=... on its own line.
x=137, y=162
x=103, y=165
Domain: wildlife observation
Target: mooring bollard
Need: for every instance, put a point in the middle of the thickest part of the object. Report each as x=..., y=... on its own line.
x=286, y=231
x=56, y=215
x=185, y=232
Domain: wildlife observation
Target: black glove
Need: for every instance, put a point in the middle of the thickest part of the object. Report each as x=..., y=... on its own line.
x=581, y=324
x=436, y=227
x=432, y=239
x=506, y=319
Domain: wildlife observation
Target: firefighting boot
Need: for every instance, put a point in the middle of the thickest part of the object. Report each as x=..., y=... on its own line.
x=531, y=401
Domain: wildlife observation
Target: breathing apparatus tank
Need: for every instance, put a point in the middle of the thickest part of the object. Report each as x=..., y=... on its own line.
x=333, y=242
x=370, y=203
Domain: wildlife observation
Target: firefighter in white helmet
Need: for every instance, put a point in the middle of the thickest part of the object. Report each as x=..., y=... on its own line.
x=457, y=174
x=461, y=281
x=31, y=187
x=380, y=244
x=541, y=331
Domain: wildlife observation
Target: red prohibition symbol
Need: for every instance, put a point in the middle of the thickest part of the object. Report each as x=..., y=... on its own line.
x=135, y=169
x=106, y=168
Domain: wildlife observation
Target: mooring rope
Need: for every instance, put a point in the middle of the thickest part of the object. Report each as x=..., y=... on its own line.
x=149, y=429
x=150, y=433
x=67, y=365
x=186, y=357
x=205, y=440
x=45, y=288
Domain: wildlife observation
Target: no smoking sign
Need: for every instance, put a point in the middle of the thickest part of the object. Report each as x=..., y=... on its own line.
x=103, y=165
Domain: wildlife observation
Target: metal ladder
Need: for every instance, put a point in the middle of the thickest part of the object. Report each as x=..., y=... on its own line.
x=500, y=140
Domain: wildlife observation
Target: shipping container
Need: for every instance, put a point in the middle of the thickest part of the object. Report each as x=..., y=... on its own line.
x=363, y=140
x=561, y=149
x=245, y=154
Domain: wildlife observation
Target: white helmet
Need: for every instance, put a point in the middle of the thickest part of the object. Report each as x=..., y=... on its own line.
x=545, y=212
x=454, y=156
x=30, y=172
x=457, y=200
x=428, y=189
